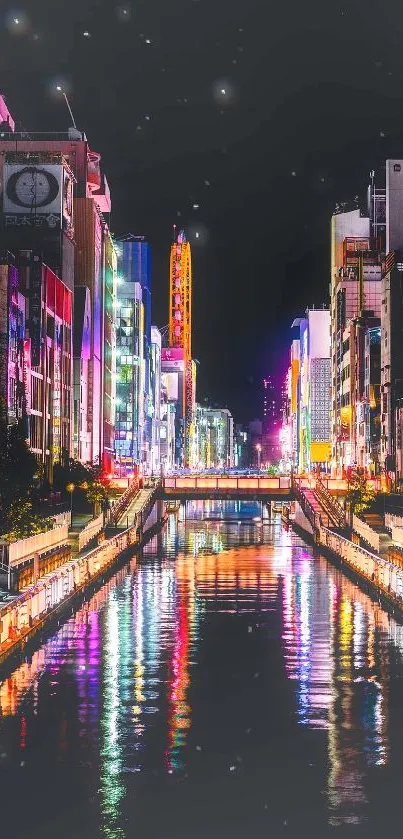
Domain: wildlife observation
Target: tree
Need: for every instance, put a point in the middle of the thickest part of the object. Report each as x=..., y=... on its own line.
x=272, y=470
x=18, y=470
x=96, y=494
x=71, y=472
x=360, y=493
x=23, y=521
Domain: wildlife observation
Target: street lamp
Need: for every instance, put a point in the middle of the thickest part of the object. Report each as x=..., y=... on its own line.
x=259, y=451
x=70, y=488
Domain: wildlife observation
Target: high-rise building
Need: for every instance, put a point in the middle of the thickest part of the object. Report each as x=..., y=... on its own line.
x=241, y=449
x=14, y=350
x=55, y=203
x=134, y=265
x=270, y=402
x=363, y=383
x=255, y=437
x=167, y=424
x=155, y=399
x=357, y=242
x=271, y=423
x=95, y=269
x=314, y=390
x=391, y=327
x=81, y=360
x=36, y=310
x=129, y=423
x=294, y=401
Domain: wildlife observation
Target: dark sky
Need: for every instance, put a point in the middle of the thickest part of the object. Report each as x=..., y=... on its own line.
x=312, y=102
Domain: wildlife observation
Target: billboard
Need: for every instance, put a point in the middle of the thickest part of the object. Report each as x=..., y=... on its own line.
x=171, y=383
x=3, y=329
x=35, y=311
x=172, y=354
x=33, y=195
x=67, y=208
x=173, y=358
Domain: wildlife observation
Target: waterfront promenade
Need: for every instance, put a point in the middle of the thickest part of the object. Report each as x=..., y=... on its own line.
x=322, y=520
x=28, y=613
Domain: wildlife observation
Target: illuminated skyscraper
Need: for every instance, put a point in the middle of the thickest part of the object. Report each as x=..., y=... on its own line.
x=129, y=376
x=138, y=363
x=155, y=399
x=271, y=422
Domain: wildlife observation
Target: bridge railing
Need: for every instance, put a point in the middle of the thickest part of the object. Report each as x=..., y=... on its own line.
x=250, y=482
x=282, y=482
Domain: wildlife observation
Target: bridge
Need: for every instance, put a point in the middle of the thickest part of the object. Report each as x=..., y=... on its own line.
x=241, y=487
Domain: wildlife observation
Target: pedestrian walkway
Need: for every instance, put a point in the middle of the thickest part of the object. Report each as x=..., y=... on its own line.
x=140, y=501
x=79, y=522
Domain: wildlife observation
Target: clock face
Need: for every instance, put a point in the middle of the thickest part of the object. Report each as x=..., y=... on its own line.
x=32, y=188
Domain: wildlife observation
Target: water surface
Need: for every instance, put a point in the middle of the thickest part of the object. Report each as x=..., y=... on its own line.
x=229, y=683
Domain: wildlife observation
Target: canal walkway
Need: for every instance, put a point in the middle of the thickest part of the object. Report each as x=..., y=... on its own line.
x=26, y=614
x=373, y=567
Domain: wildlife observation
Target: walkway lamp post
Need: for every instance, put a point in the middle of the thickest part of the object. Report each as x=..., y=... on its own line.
x=70, y=488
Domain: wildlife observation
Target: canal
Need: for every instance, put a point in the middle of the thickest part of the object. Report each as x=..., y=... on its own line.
x=229, y=682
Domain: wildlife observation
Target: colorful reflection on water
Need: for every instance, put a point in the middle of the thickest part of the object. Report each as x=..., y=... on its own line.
x=229, y=664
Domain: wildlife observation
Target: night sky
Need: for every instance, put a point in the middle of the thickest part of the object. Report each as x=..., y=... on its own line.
x=242, y=120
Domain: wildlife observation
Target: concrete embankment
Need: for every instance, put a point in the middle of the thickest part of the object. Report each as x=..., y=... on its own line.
x=37, y=610
x=375, y=574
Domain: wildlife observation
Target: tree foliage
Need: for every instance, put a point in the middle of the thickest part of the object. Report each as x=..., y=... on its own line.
x=23, y=521
x=360, y=493
x=272, y=470
x=96, y=492
x=91, y=480
x=18, y=470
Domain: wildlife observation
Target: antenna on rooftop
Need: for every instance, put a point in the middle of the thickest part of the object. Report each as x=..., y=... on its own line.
x=60, y=89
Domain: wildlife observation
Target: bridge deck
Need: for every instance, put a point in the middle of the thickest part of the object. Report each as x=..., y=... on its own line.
x=234, y=486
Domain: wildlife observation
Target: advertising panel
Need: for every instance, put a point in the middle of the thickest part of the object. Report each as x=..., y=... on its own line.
x=3, y=328
x=33, y=195
x=172, y=353
x=173, y=359
x=171, y=383
x=68, y=203
x=35, y=312
x=27, y=372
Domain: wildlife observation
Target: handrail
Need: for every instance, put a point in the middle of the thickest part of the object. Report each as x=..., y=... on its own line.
x=335, y=509
x=314, y=518
x=117, y=509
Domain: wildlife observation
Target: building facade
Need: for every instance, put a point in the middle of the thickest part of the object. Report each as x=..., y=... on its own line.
x=46, y=180
x=36, y=311
x=155, y=400
x=129, y=422
x=312, y=423
x=357, y=246
x=215, y=438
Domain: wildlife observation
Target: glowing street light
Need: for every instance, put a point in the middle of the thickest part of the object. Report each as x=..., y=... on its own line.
x=259, y=452
x=70, y=488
